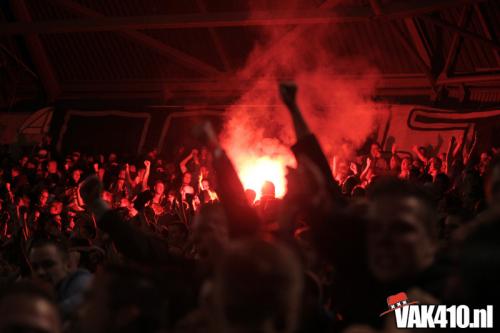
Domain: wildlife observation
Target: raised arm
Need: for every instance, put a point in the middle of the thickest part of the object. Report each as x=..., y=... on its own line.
x=184, y=162
x=145, y=179
x=470, y=155
x=127, y=175
x=459, y=149
x=449, y=155
x=307, y=145
x=420, y=156
x=242, y=218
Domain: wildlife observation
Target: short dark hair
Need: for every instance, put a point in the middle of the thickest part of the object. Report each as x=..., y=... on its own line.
x=60, y=244
x=388, y=187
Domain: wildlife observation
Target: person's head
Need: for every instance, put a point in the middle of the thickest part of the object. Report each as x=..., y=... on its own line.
x=52, y=167
x=402, y=231
x=268, y=189
x=395, y=163
x=43, y=198
x=375, y=150
x=205, y=184
x=76, y=175
x=124, y=203
x=171, y=196
x=42, y=155
x=406, y=165
x=186, y=178
x=107, y=197
x=120, y=183
x=159, y=188
x=76, y=156
x=204, y=171
x=112, y=158
x=417, y=164
x=56, y=208
x=23, y=160
x=29, y=307
x=435, y=165
x=49, y=260
x=251, y=195
x=257, y=285
x=14, y=172
x=124, y=299
x=204, y=153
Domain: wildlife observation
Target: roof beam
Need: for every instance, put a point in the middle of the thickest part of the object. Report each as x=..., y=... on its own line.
x=470, y=79
x=419, y=50
x=418, y=38
x=144, y=40
x=212, y=88
x=455, y=45
x=376, y=6
x=42, y=63
x=411, y=49
x=397, y=10
x=219, y=47
x=462, y=31
x=488, y=31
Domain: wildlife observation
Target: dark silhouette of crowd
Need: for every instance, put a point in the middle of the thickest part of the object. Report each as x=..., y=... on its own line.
x=93, y=243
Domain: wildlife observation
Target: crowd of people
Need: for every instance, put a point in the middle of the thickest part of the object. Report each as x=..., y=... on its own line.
x=119, y=244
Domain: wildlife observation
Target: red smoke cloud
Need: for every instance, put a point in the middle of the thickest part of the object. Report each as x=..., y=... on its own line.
x=336, y=106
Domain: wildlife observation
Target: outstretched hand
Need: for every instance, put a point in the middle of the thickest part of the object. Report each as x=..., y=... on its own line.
x=288, y=92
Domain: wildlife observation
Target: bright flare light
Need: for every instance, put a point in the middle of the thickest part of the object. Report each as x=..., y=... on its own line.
x=253, y=173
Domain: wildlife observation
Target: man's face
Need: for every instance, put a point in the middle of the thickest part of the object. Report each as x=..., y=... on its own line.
x=49, y=264
x=394, y=163
x=121, y=182
x=375, y=151
x=187, y=178
x=485, y=158
x=52, y=167
x=205, y=185
x=405, y=165
x=25, y=313
x=76, y=175
x=56, y=208
x=159, y=188
x=399, y=245
x=44, y=197
x=435, y=164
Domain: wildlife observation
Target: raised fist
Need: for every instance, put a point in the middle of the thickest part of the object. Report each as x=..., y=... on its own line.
x=288, y=92
x=147, y=164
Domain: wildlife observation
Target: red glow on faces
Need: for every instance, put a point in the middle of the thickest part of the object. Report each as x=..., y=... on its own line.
x=255, y=171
